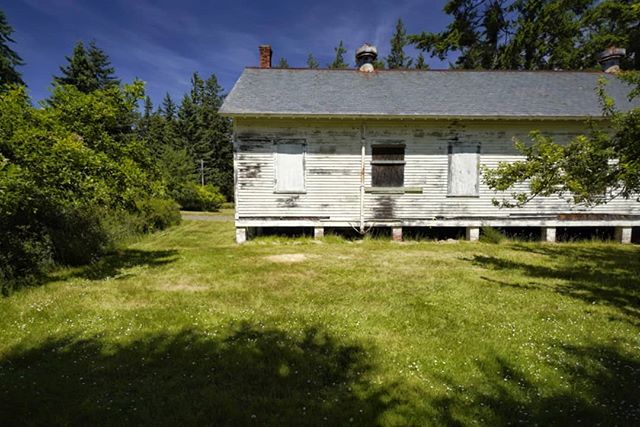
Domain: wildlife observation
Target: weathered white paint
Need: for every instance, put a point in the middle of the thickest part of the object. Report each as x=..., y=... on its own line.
x=290, y=167
x=623, y=234
x=548, y=234
x=334, y=192
x=318, y=232
x=464, y=169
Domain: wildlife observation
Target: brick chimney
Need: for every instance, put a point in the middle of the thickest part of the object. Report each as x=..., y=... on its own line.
x=610, y=59
x=265, y=56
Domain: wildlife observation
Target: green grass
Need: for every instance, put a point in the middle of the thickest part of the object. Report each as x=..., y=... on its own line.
x=185, y=327
x=220, y=212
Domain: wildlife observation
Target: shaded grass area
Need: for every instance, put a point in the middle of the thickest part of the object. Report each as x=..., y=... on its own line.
x=186, y=327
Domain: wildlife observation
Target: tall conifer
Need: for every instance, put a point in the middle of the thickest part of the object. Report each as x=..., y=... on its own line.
x=9, y=59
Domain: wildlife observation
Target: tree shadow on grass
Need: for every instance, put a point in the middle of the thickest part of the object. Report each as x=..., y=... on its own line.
x=252, y=376
x=606, y=275
x=601, y=386
x=114, y=265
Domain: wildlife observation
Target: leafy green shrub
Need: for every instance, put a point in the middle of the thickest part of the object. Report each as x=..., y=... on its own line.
x=159, y=214
x=194, y=197
x=228, y=205
x=74, y=181
x=25, y=253
x=491, y=235
x=78, y=236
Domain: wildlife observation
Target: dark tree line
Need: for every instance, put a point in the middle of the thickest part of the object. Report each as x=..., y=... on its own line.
x=534, y=34
x=191, y=141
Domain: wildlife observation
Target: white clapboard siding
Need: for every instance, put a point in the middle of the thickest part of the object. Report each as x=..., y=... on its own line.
x=329, y=187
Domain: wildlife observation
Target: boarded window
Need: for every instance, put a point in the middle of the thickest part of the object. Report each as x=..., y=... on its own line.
x=387, y=165
x=290, y=167
x=464, y=176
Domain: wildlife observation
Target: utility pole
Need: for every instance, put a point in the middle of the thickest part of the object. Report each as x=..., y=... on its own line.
x=202, y=172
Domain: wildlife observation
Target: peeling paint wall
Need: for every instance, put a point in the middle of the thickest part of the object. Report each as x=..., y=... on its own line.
x=332, y=169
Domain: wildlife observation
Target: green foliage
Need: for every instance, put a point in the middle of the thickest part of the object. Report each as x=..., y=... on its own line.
x=282, y=63
x=397, y=58
x=64, y=168
x=420, y=63
x=182, y=138
x=87, y=69
x=9, y=59
x=194, y=197
x=591, y=169
x=338, y=61
x=491, y=235
x=534, y=34
x=158, y=213
x=311, y=62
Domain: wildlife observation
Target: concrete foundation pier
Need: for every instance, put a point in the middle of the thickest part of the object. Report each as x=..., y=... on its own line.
x=548, y=234
x=472, y=234
x=623, y=234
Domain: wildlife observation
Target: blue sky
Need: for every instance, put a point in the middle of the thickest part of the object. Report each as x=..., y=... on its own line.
x=163, y=42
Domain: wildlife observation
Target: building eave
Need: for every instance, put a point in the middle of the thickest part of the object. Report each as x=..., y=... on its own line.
x=327, y=116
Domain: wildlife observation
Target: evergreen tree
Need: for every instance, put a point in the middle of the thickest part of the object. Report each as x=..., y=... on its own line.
x=338, y=62
x=544, y=35
x=168, y=108
x=101, y=64
x=535, y=34
x=142, y=126
x=205, y=135
x=282, y=63
x=87, y=70
x=9, y=59
x=214, y=139
x=148, y=107
x=311, y=62
x=611, y=23
x=476, y=27
x=420, y=62
x=397, y=58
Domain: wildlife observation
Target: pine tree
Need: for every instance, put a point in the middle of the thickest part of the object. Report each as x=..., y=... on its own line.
x=148, y=107
x=9, y=59
x=104, y=72
x=311, y=62
x=397, y=58
x=611, y=23
x=282, y=63
x=476, y=27
x=144, y=121
x=338, y=62
x=168, y=108
x=420, y=63
x=535, y=34
x=205, y=135
x=87, y=70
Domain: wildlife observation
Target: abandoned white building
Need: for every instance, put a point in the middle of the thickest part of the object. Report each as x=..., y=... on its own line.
x=403, y=148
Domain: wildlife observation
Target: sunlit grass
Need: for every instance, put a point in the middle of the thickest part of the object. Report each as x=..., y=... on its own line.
x=186, y=326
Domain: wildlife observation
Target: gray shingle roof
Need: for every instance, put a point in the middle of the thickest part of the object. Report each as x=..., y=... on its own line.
x=486, y=94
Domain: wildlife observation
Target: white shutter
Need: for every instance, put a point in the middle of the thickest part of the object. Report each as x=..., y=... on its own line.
x=464, y=175
x=290, y=168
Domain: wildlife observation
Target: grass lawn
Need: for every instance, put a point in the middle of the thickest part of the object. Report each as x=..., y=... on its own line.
x=185, y=327
x=222, y=212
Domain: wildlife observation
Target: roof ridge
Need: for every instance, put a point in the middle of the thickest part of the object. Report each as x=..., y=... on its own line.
x=439, y=70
